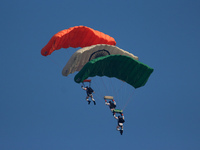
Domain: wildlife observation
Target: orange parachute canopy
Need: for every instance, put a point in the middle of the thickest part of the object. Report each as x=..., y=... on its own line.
x=78, y=36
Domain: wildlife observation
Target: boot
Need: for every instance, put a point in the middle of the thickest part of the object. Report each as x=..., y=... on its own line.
x=89, y=102
x=94, y=103
x=121, y=132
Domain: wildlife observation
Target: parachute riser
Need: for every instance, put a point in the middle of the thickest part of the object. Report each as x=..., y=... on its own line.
x=87, y=80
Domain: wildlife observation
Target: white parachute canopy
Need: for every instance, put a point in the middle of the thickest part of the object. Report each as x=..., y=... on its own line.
x=84, y=55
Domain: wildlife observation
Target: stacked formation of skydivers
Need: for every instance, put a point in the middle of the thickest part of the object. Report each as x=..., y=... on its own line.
x=109, y=101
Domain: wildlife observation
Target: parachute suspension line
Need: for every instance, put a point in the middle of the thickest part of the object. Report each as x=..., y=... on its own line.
x=121, y=92
x=122, y=84
x=129, y=99
x=109, y=85
x=117, y=91
x=116, y=88
x=90, y=84
x=83, y=84
x=99, y=91
x=95, y=87
x=112, y=86
x=101, y=81
x=105, y=87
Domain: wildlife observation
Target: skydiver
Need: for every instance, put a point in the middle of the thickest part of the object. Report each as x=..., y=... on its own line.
x=120, y=121
x=111, y=104
x=89, y=92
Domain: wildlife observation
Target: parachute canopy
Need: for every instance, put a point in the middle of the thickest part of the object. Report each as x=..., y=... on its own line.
x=87, y=80
x=108, y=97
x=117, y=111
x=121, y=67
x=78, y=36
x=82, y=56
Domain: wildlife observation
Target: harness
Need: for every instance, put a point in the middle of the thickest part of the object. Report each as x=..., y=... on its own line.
x=112, y=105
x=121, y=120
x=89, y=90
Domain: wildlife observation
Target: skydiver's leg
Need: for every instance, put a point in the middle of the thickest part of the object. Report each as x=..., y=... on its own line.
x=112, y=110
x=121, y=131
x=118, y=128
x=93, y=99
x=87, y=99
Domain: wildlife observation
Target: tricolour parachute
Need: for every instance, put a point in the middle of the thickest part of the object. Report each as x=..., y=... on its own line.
x=78, y=36
x=82, y=56
x=121, y=67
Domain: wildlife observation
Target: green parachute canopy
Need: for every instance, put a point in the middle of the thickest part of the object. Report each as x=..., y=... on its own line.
x=121, y=67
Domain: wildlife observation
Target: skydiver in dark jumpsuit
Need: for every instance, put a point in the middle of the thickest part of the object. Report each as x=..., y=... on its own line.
x=120, y=121
x=111, y=104
x=89, y=92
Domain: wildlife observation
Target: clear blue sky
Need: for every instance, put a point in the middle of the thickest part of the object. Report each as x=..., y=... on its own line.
x=41, y=109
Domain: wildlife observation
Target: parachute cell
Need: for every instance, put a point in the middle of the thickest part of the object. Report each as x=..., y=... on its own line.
x=87, y=80
x=108, y=97
x=78, y=36
x=121, y=67
x=118, y=111
x=82, y=56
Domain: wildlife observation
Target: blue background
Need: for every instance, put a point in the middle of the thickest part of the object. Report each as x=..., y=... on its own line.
x=41, y=109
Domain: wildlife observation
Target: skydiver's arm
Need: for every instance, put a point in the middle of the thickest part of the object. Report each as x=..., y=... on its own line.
x=115, y=117
x=114, y=102
x=83, y=88
x=106, y=103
